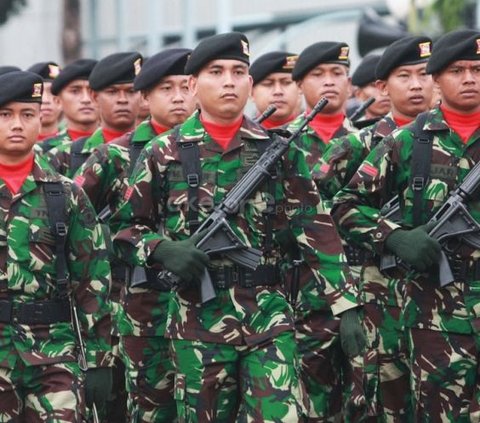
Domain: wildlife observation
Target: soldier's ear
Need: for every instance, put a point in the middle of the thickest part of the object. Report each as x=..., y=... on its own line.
x=381, y=86
x=192, y=84
x=93, y=95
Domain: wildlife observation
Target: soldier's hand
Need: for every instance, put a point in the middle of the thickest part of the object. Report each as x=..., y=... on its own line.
x=182, y=258
x=415, y=247
x=352, y=336
x=98, y=386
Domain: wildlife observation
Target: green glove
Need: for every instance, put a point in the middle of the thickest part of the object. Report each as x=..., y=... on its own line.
x=182, y=257
x=98, y=386
x=415, y=247
x=352, y=336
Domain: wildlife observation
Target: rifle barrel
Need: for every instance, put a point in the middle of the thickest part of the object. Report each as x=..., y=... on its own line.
x=361, y=109
x=269, y=111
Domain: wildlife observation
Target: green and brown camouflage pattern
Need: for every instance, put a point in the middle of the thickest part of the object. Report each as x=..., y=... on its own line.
x=59, y=157
x=157, y=195
x=63, y=137
x=450, y=310
x=28, y=273
x=342, y=156
x=43, y=393
x=209, y=378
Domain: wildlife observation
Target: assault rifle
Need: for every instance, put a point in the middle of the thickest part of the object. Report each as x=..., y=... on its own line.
x=453, y=220
x=269, y=111
x=357, y=114
x=218, y=236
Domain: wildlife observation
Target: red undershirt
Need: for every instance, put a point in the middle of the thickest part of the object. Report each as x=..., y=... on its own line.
x=269, y=123
x=326, y=125
x=159, y=129
x=14, y=175
x=75, y=134
x=400, y=121
x=463, y=125
x=109, y=135
x=42, y=137
x=222, y=134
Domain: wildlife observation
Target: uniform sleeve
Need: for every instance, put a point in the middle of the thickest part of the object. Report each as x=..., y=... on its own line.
x=135, y=222
x=91, y=278
x=338, y=164
x=316, y=235
x=59, y=158
x=357, y=206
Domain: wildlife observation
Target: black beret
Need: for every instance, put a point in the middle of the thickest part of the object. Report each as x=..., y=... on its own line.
x=275, y=61
x=47, y=70
x=79, y=69
x=365, y=72
x=20, y=86
x=409, y=50
x=232, y=46
x=6, y=69
x=117, y=68
x=167, y=62
x=318, y=53
x=463, y=44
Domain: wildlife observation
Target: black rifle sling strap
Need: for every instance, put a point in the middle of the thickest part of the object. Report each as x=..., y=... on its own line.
x=56, y=205
x=190, y=159
x=77, y=158
x=270, y=210
x=134, y=152
x=421, y=163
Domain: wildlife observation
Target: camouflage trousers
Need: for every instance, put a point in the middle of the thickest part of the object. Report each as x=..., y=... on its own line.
x=385, y=365
x=322, y=364
x=445, y=377
x=149, y=379
x=227, y=383
x=52, y=393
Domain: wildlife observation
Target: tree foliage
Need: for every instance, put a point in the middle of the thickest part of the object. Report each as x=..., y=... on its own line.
x=9, y=8
x=453, y=14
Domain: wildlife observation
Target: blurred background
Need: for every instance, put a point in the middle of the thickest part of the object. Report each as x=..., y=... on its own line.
x=64, y=30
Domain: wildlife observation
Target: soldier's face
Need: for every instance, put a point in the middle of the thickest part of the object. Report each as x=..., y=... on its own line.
x=118, y=105
x=381, y=105
x=78, y=107
x=327, y=80
x=171, y=100
x=280, y=90
x=459, y=85
x=19, y=128
x=222, y=89
x=51, y=108
x=410, y=89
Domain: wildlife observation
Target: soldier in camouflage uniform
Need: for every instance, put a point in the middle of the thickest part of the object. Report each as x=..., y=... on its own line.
x=365, y=87
x=235, y=356
x=111, y=88
x=143, y=314
x=442, y=322
x=402, y=75
x=273, y=85
x=51, y=111
x=80, y=113
x=40, y=375
x=321, y=70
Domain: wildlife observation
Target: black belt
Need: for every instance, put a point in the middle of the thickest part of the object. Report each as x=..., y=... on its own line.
x=263, y=275
x=356, y=256
x=39, y=312
x=464, y=270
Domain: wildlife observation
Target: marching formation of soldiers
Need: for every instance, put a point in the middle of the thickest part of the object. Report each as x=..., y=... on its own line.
x=317, y=262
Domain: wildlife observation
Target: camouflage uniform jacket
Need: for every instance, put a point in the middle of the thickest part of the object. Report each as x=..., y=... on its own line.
x=155, y=209
x=105, y=173
x=311, y=144
x=28, y=273
x=63, y=137
x=60, y=156
x=343, y=155
x=387, y=169
x=104, y=178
